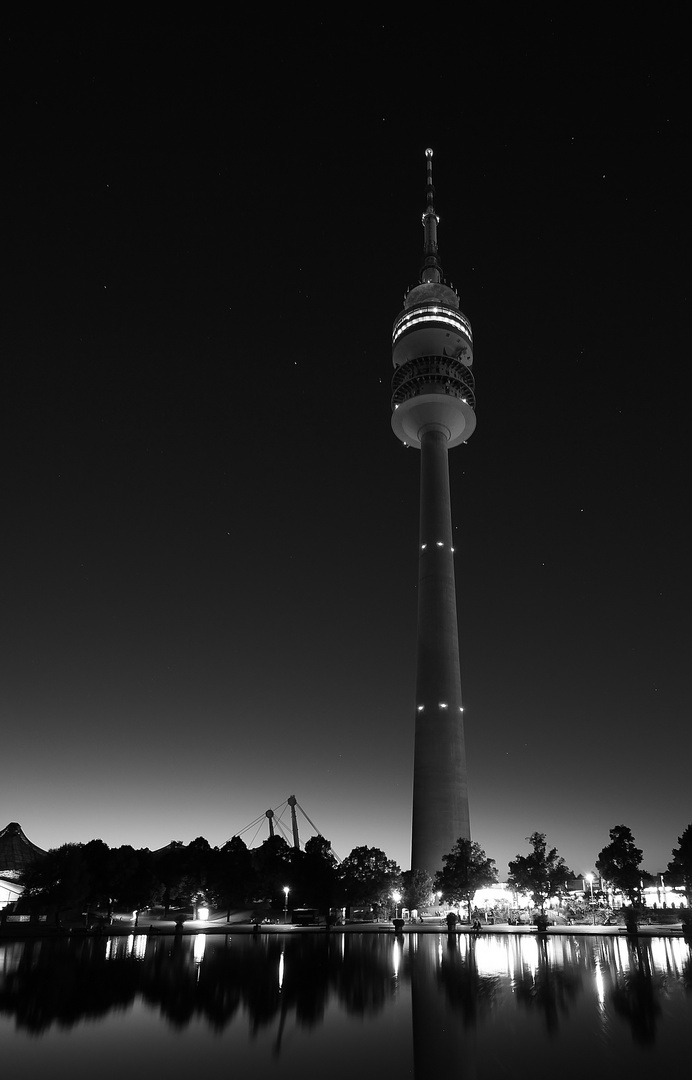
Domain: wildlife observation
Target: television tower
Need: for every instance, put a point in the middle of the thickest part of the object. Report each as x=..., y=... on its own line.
x=433, y=410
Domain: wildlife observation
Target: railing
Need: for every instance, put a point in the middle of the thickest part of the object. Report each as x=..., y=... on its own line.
x=423, y=373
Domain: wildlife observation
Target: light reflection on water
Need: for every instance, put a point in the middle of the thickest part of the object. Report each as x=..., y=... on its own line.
x=133, y=946
x=370, y=1004
x=199, y=947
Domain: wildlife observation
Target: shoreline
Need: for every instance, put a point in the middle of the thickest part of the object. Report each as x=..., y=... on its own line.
x=190, y=929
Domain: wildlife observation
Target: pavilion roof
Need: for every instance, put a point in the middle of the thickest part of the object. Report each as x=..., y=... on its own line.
x=17, y=852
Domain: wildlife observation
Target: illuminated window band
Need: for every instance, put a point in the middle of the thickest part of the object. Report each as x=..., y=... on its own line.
x=438, y=543
x=432, y=313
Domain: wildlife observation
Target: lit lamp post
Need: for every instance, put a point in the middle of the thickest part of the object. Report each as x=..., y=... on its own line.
x=286, y=890
x=589, y=878
x=396, y=897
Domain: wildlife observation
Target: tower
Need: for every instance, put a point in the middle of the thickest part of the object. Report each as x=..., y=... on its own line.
x=433, y=410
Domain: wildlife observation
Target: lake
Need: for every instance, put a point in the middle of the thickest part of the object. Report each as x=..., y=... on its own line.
x=344, y=1005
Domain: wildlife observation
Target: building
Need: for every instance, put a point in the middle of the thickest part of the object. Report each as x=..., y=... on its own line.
x=17, y=854
x=433, y=410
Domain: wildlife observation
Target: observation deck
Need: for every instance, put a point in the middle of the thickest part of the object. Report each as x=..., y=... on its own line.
x=432, y=353
x=433, y=374
x=435, y=391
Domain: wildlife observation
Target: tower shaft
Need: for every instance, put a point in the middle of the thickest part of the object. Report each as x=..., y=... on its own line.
x=440, y=794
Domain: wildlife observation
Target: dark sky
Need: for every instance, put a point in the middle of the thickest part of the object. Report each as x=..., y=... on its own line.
x=209, y=542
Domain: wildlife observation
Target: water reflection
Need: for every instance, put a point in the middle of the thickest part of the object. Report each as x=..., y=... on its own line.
x=463, y=999
x=548, y=981
x=635, y=995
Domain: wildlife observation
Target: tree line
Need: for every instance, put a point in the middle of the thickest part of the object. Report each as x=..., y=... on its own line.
x=543, y=873
x=179, y=878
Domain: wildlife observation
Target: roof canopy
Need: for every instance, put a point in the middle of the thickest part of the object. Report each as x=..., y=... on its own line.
x=17, y=852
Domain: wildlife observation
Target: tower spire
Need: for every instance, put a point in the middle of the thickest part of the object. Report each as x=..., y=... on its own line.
x=432, y=267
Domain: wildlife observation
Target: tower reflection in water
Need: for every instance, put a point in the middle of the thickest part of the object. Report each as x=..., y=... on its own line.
x=476, y=1002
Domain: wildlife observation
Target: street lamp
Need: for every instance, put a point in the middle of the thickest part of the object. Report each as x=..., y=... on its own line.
x=285, y=904
x=589, y=878
x=396, y=897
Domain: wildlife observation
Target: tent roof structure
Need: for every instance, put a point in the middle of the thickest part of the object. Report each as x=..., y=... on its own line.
x=17, y=853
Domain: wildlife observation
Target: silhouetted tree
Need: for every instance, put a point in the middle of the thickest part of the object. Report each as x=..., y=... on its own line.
x=540, y=873
x=133, y=879
x=619, y=861
x=466, y=868
x=60, y=881
x=233, y=880
x=271, y=863
x=199, y=867
x=368, y=878
x=316, y=874
x=170, y=865
x=681, y=863
x=97, y=858
x=320, y=848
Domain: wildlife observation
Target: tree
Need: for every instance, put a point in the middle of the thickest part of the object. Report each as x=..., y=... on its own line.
x=417, y=889
x=465, y=869
x=540, y=873
x=681, y=863
x=200, y=860
x=317, y=874
x=60, y=880
x=170, y=866
x=369, y=878
x=319, y=847
x=133, y=879
x=271, y=863
x=97, y=859
x=618, y=863
x=232, y=883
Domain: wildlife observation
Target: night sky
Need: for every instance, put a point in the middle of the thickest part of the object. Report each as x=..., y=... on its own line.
x=209, y=530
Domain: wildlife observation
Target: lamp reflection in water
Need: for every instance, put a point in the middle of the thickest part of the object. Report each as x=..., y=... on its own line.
x=396, y=958
x=589, y=878
x=600, y=985
x=198, y=948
